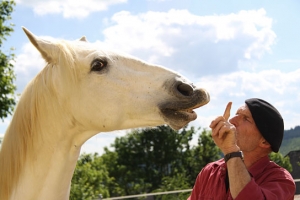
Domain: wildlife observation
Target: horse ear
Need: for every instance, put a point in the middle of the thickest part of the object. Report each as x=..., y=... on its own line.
x=47, y=48
x=83, y=39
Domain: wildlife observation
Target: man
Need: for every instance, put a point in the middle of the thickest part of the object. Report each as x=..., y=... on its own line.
x=246, y=172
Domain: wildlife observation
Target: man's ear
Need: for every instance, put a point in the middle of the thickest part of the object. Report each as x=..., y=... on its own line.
x=264, y=143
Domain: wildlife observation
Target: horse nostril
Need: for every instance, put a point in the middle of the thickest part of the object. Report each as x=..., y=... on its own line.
x=185, y=89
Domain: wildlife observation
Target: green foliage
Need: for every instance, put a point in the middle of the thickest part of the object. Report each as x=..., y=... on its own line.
x=176, y=182
x=110, y=160
x=7, y=76
x=282, y=161
x=90, y=178
x=205, y=152
x=144, y=157
x=149, y=160
x=159, y=159
x=291, y=140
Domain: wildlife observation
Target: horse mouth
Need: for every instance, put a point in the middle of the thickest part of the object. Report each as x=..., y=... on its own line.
x=179, y=114
x=188, y=114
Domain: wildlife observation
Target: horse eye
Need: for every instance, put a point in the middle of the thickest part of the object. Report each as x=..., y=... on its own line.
x=98, y=65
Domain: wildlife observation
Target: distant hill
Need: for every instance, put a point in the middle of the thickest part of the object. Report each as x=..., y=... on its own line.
x=291, y=141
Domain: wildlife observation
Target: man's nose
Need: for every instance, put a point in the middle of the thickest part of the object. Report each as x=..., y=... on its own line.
x=233, y=120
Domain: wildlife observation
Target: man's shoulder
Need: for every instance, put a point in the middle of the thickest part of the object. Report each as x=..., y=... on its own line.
x=271, y=169
x=216, y=164
x=277, y=168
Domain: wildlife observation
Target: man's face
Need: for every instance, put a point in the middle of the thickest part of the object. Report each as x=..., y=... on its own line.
x=248, y=136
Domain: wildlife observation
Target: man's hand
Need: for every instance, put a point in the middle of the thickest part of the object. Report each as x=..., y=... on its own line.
x=224, y=133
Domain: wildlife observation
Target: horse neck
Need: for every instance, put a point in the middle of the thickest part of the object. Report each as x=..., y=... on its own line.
x=39, y=152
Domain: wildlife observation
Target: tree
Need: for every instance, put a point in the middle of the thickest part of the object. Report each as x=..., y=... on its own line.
x=143, y=157
x=157, y=159
x=281, y=161
x=148, y=160
x=205, y=152
x=110, y=160
x=176, y=182
x=7, y=76
x=193, y=161
x=291, y=140
x=90, y=178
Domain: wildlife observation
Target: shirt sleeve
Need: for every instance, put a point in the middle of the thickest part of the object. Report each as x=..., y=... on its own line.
x=196, y=188
x=209, y=183
x=279, y=189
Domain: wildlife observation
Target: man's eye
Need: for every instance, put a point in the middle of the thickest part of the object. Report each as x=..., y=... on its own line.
x=245, y=118
x=248, y=119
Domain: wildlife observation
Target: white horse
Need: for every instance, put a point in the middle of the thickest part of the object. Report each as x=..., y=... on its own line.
x=82, y=91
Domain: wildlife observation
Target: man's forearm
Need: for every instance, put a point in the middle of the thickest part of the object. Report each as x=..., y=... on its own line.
x=238, y=175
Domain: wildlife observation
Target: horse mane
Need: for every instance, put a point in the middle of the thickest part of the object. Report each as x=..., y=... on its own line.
x=25, y=130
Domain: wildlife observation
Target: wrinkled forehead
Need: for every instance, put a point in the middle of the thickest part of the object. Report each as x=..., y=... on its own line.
x=244, y=110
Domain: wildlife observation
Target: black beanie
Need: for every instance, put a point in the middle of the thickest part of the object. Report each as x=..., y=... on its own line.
x=268, y=121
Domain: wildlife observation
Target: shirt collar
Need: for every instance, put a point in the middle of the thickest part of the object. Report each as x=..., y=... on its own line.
x=259, y=166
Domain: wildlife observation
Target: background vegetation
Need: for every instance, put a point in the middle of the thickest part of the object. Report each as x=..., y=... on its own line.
x=149, y=160
x=143, y=161
x=291, y=140
x=7, y=76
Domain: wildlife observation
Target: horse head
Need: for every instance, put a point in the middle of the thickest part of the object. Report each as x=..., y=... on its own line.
x=83, y=90
x=105, y=90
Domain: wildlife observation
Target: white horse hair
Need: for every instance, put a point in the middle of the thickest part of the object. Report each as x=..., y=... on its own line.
x=80, y=92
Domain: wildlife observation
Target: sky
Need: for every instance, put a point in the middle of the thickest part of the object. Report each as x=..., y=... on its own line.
x=234, y=49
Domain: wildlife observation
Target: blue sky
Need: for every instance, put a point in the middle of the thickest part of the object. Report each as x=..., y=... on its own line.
x=234, y=49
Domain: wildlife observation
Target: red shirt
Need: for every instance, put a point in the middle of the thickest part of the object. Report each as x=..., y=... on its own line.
x=269, y=181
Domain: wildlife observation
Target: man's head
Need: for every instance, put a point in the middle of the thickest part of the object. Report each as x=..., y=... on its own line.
x=268, y=121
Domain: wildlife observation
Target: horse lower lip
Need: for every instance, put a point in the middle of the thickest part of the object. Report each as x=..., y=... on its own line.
x=191, y=115
x=184, y=115
x=178, y=118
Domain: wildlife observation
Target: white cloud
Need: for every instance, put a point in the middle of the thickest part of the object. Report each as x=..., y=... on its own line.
x=219, y=52
x=28, y=64
x=3, y=125
x=241, y=83
x=101, y=140
x=289, y=61
x=185, y=42
x=69, y=8
x=191, y=43
x=159, y=0
x=196, y=46
x=279, y=88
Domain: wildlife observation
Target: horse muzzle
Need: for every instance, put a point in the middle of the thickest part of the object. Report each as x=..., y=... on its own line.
x=178, y=112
